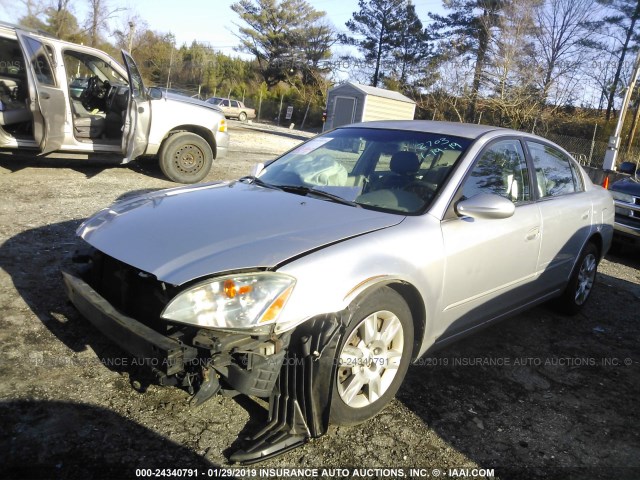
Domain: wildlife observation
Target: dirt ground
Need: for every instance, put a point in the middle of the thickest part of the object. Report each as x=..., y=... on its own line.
x=539, y=396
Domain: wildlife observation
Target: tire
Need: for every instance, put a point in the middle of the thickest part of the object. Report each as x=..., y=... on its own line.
x=581, y=282
x=185, y=157
x=242, y=117
x=364, y=384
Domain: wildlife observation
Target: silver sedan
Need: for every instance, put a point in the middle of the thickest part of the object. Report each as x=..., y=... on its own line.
x=316, y=281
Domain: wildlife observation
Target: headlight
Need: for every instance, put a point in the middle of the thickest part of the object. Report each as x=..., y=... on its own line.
x=233, y=301
x=622, y=197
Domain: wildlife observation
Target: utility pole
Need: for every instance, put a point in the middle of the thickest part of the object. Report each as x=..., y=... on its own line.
x=132, y=29
x=614, y=140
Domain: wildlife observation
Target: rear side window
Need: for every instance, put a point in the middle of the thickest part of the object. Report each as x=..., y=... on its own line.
x=554, y=173
x=40, y=57
x=234, y=104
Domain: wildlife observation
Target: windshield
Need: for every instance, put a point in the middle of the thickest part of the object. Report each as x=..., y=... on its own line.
x=391, y=170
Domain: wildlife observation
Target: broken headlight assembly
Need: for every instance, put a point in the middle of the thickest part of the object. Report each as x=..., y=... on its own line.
x=250, y=303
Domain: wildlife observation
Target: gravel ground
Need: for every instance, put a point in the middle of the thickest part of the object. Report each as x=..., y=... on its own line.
x=539, y=396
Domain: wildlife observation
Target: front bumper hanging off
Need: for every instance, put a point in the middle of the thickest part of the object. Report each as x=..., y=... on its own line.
x=299, y=391
x=152, y=348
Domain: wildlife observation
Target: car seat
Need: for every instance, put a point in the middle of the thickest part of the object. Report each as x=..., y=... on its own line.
x=86, y=124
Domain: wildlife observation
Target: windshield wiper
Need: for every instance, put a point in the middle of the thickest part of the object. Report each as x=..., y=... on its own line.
x=256, y=181
x=302, y=190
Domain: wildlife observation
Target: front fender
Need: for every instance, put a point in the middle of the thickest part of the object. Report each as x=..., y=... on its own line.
x=330, y=279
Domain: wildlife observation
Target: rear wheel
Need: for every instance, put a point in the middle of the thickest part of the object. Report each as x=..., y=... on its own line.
x=242, y=117
x=581, y=282
x=373, y=358
x=185, y=157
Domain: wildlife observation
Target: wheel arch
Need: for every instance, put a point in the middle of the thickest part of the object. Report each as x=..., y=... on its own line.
x=414, y=300
x=197, y=130
x=597, y=240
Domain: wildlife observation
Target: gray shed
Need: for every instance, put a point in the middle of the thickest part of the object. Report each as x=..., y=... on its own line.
x=351, y=102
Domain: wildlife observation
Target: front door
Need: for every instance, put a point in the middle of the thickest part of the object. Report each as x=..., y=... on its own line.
x=46, y=97
x=491, y=263
x=135, y=134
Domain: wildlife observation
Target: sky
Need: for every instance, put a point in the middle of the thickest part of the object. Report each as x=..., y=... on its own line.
x=210, y=21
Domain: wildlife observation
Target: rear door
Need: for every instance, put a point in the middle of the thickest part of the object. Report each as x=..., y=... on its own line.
x=235, y=108
x=46, y=97
x=135, y=134
x=565, y=210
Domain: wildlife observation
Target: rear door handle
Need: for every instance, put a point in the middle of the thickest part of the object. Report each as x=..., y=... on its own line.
x=585, y=215
x=45, y=96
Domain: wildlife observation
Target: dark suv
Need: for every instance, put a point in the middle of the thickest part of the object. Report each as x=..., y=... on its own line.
x=626, y=194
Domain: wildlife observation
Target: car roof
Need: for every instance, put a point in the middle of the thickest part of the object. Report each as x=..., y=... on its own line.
x=465, y=130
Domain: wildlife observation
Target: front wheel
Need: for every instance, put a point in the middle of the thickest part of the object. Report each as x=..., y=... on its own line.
x=581, y=282
x=185, y=157
x=374, y=355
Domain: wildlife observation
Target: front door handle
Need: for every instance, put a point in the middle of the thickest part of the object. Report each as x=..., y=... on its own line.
x=532, y=234
x=45, y=96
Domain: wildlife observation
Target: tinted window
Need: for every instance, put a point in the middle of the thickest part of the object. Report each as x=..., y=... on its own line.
x=554, y=174
x=501, y=170
x=234, y=104
x=40, y=61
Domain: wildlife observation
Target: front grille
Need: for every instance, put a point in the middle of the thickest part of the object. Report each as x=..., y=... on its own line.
x=131, y=291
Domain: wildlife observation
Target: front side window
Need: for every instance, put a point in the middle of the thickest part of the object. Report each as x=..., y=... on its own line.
x=554, y=174
x=390, y=170
x=501, y=169
x=80, y=66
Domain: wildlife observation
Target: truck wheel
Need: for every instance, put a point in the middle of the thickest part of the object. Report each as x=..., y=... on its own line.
x=185, y=157
x=373, y=357
x=581, y=282
x=242, y=117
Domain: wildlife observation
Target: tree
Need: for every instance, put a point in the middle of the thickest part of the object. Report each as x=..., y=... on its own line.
x=469, y=26
x=413, y=48
x=509, y=74
x=624, y=18
x=377, y=29
x=285, y=36
x=98, y=16
x=563, y=33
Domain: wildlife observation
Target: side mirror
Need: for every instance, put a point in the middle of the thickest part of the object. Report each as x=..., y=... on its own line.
x=486, y=205
x=257, y=168
x=155, y=93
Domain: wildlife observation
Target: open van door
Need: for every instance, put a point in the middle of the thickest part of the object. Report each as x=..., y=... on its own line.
x=135, y=134
x=46, y=97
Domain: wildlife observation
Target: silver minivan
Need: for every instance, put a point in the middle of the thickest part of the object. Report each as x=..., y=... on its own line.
x=75, y=101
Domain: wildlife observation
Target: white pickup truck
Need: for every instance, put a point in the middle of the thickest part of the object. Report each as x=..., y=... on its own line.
x=68, y=100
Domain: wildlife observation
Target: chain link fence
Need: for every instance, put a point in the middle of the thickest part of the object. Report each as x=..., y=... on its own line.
x=591, y=153
x=303, y=116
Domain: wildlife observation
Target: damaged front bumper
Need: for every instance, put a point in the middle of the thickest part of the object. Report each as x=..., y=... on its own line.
x=152, y=348
x=197, y=359
x=294, y=370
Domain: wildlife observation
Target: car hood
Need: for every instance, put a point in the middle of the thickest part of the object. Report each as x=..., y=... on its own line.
x=627, y=185
x=186, y=233
x=174, y=97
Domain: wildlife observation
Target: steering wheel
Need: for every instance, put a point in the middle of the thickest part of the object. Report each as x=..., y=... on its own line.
x=94, y=94
x=420, y=189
